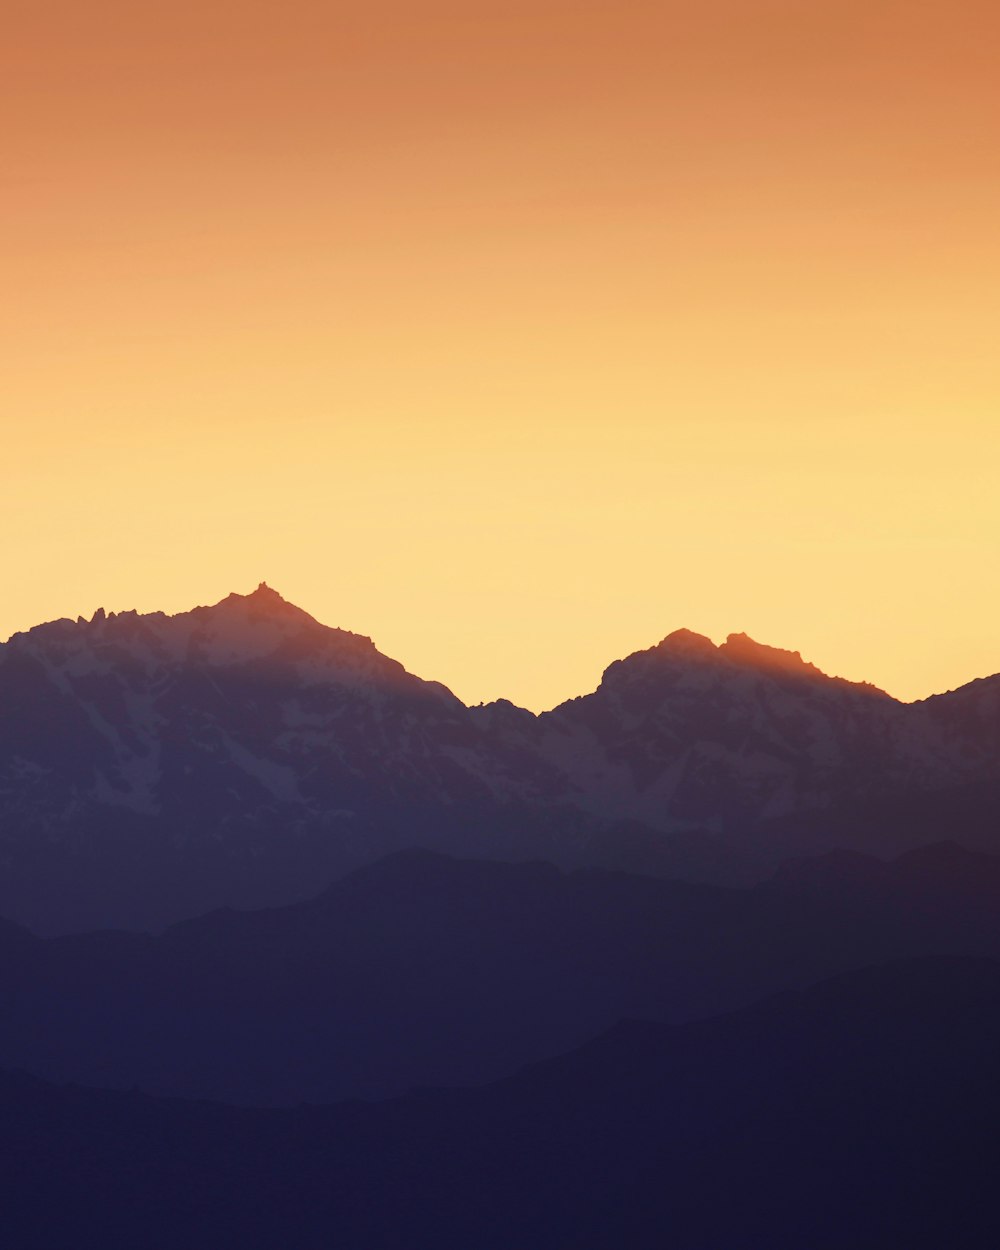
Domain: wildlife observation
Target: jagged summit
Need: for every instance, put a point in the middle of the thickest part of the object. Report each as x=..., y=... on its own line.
x=744, y=650
x=259, y=627
x=743, y=647
x=262, y=604
x=265, y=596
x=684, y=650
x=264, y=599
x=738, y=649
x=685, y=642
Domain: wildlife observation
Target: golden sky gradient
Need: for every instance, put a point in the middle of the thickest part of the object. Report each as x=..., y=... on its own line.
x=515, y=334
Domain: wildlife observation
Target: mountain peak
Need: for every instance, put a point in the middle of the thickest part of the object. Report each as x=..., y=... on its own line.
x=264, y=598
x=264, y=594
x=686, y=642
x=260, y=612
x=746, y=650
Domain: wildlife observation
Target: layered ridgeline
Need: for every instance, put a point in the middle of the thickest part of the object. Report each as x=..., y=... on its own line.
x=152, y=767
x=424, y=970
x=859, y=1113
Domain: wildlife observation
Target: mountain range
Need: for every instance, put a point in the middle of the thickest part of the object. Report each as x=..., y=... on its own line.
x=155, y=767
x=859, y=1114
x=300, y=950
x=423, y=970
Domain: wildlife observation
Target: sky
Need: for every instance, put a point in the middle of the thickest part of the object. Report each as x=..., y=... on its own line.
x=513, y=335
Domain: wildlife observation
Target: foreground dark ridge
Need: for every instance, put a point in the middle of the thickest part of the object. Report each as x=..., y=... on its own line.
x=153, y=767
x=424, y=970
x=861, y=1113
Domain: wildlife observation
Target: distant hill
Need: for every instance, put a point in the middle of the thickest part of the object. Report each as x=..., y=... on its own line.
x=425, y=970
x=153, y=767
x=860, y=1113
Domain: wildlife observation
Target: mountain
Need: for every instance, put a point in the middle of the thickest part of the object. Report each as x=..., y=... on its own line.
x=743, y=755
x=426, y=970
x=859, y=1113
x=154, y=767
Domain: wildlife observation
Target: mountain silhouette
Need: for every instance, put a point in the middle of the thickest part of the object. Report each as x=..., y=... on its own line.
x=859, y=1113
x=153, y=767
x=426, y=970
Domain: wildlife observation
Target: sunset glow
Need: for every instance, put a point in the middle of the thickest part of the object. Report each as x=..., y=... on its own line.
x=513, y=336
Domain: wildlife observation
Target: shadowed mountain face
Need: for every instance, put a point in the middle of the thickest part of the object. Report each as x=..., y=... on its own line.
x=424, y=970
x=861, y=1113
x=715, y=735
x=152, y=767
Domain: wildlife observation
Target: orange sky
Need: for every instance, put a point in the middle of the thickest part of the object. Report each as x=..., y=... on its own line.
x=515, y=334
